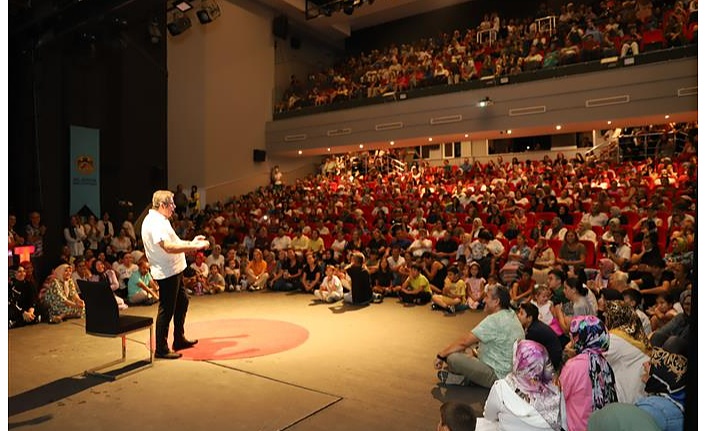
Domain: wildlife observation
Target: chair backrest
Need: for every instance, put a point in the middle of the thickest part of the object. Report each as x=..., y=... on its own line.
x=102, y=316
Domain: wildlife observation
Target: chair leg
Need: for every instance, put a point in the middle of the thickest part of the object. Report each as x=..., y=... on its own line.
x=152, y=345
x=129, y=368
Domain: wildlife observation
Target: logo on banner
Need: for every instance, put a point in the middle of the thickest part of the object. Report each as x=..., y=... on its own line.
x=85, y=165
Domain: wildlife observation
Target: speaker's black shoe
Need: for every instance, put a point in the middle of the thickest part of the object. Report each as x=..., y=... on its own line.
x=184, y=344
x=167, y=355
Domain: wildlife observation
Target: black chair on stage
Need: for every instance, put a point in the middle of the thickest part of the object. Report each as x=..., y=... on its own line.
x=104, y=320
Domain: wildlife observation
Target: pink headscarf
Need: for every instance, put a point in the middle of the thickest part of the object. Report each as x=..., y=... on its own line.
x=532, y=379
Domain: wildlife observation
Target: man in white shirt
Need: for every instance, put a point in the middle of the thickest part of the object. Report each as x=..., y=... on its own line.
x=595, y=217
x=300, y=242
x=165, y=253
x=586, y=233
x=124, y=267
x=282, y=241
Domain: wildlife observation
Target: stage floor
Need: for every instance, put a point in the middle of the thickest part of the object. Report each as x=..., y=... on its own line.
x=359, y=368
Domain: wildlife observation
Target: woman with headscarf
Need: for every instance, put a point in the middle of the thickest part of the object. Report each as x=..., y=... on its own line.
x=628, y=350
x=587, y=379
x=102, y=273
x=680, y=253
x=61, y=298
x=526, y=399
x=665, y=384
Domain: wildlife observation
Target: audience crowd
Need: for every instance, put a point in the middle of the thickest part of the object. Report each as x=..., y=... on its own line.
x=590, y=259
x=499, y=46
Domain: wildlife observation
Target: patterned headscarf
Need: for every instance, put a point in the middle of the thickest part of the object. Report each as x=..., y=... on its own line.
x=667, y=372
x=591, y=338
x=621, y=317
x=59, y=272
x=531, y=378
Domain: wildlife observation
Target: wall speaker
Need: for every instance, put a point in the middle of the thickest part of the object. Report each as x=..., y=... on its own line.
x=259, y=155
x=280, y=27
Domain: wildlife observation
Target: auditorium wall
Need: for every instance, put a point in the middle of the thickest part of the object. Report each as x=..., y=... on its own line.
x=220, y=93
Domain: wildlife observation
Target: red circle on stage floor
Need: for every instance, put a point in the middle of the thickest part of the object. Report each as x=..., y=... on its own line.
x=241, y=338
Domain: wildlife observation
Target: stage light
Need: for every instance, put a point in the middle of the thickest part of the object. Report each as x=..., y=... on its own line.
x=179, y=23
x=485, y=102
x=182, y=5
x=300, y=152
x=558, y=126
x=209, y=11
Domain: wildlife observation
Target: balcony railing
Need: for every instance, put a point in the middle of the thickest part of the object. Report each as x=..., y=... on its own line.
x=534, y=75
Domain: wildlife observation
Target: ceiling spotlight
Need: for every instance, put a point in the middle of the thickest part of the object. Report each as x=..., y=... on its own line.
x=300, y=152
x=182, y=5
x=610, y=122
x=179, y=23
x=558, y=126
x=484, y=102
x=209, y=11
x=392, y=142
x=466, y=135
x=509, y=131
x=430, y=139
x=328, y=149
x=666, y=117
x=361, y=146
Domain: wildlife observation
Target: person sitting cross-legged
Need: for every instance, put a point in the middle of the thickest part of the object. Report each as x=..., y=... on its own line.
x=495, y=336
x=23, y=306
x=416, y=288
x=331, y=289
x=215, y=283
x=454, y=293
x=141, y=288
x=361, y=292
x=61, y=298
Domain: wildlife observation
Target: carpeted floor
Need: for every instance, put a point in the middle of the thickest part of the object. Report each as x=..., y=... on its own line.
x=241, y=338
x=265, y=361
